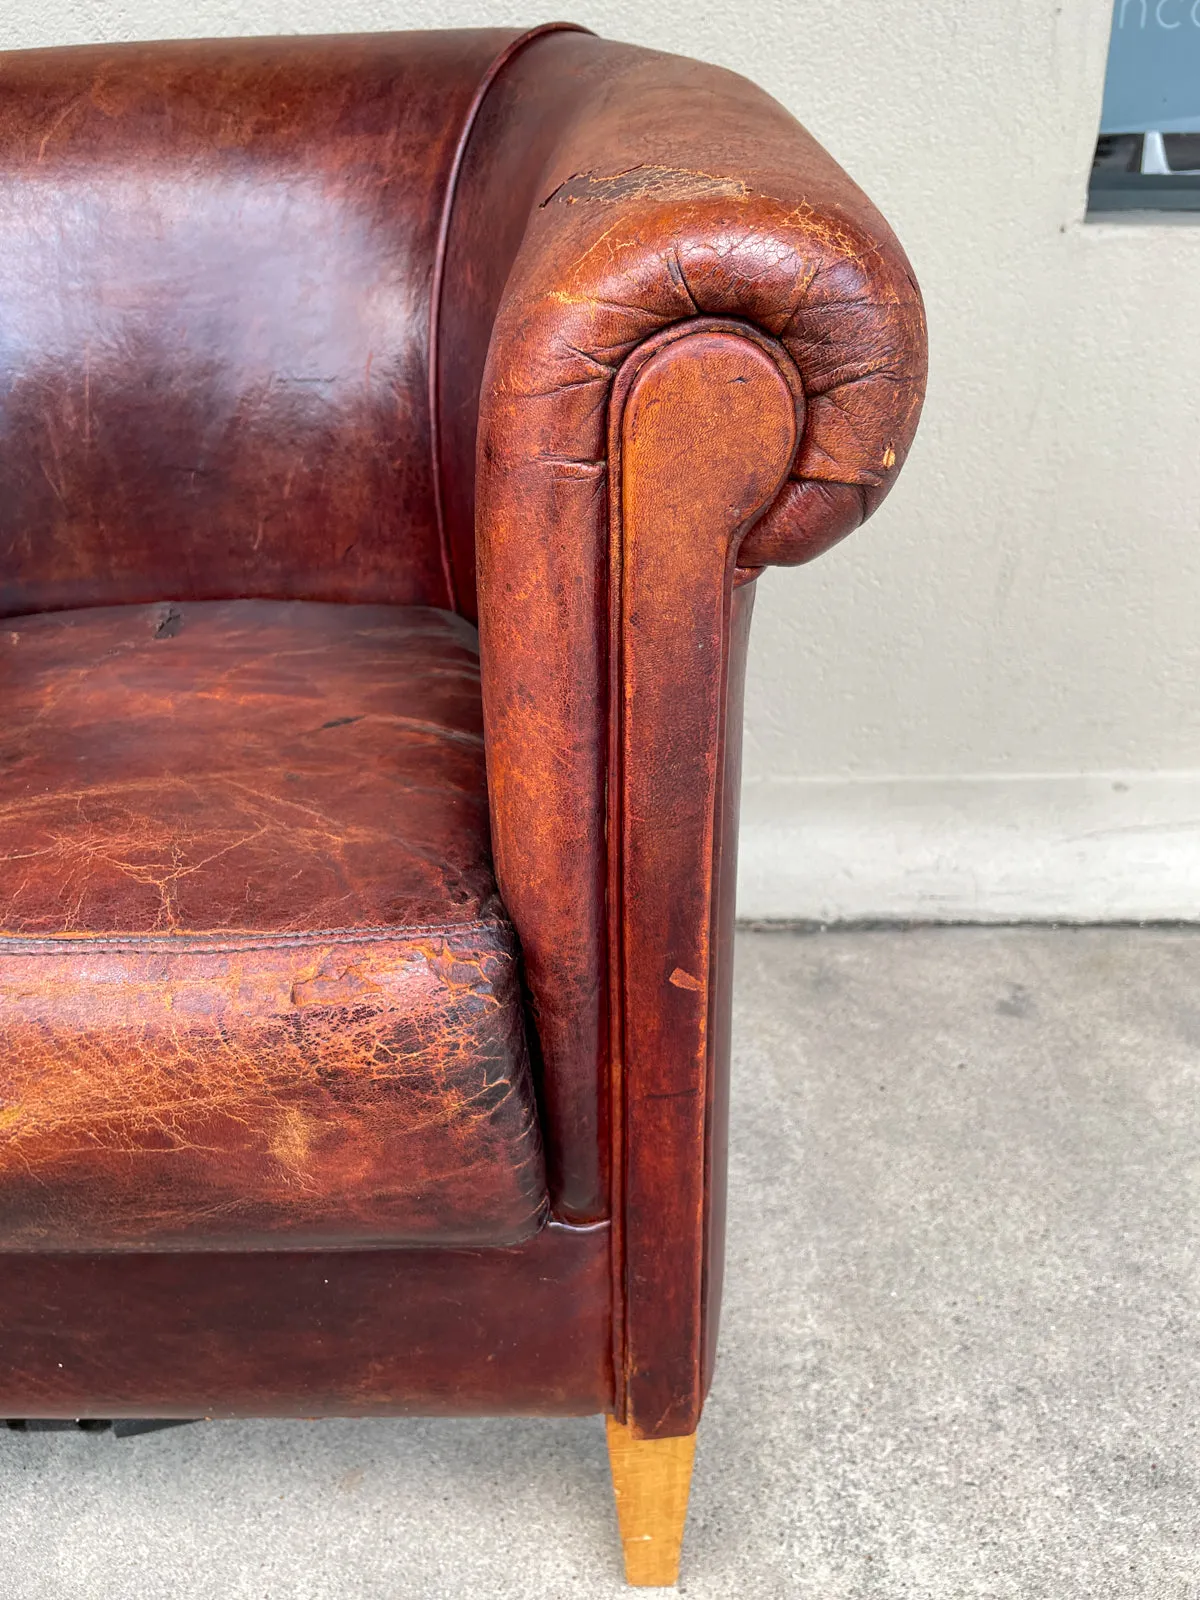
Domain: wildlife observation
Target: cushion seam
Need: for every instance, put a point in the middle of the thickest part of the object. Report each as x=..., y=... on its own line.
x=19, y=944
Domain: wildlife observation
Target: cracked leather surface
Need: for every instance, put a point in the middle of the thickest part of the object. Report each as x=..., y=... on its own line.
x=672, y=191
x=242, y=356
x=256, y=988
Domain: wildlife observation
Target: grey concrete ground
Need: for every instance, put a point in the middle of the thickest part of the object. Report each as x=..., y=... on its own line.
x=961, y=1348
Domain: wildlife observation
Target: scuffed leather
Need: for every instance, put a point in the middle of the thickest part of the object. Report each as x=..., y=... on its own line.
x=241, y=353
x=675, y=191
x=523, y=1331
x=217, y=279
x=680, y=190
x=241, y=766
x=256, y=988
x=235, y=1094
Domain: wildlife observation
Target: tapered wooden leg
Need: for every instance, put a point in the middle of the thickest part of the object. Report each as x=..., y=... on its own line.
x=651, y=1479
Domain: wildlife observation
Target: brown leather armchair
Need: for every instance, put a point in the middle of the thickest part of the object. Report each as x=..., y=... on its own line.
x=364, y=1021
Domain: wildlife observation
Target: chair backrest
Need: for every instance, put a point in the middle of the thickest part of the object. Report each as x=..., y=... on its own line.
x=219, y=268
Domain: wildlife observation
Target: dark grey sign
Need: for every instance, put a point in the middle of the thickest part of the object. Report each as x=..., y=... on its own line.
x=1153, y=79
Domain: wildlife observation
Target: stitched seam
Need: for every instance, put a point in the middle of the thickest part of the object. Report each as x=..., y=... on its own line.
x=217, y=944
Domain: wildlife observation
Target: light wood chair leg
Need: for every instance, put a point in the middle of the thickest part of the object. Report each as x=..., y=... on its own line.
x=651, y=1479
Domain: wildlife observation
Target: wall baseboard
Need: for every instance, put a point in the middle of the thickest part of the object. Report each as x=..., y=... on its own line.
x=1100, y=847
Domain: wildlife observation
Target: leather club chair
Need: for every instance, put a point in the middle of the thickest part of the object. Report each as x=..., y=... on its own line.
x=365, y=978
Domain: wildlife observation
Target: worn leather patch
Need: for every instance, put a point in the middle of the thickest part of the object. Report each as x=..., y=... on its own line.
x=256, y=989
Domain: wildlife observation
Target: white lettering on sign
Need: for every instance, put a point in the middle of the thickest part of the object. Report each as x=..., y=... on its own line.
x=1160, y=16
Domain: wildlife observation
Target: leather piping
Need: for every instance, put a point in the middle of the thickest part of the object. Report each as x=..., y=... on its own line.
x=513, y=48
x=219, y=943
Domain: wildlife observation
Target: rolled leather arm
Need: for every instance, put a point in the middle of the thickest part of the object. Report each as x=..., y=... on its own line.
x=675, y=191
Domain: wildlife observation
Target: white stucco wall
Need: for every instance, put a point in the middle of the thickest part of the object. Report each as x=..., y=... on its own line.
x=986, y=703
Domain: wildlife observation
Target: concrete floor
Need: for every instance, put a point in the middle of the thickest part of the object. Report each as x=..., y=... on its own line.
x=961, y=1346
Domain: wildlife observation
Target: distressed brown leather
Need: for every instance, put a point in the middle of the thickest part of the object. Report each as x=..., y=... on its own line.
x=217, y=293
x=255, y=984
x=522, y=1329
x=674, y=191
x=516, y=129
x=558, y=332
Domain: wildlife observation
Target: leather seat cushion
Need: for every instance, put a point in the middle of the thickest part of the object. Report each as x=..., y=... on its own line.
x=256, y=985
